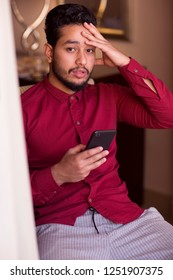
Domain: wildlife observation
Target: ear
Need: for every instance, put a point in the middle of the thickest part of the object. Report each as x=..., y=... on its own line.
x=48, y=50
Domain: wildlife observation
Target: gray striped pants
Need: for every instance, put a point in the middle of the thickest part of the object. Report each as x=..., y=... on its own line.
x=149, y=237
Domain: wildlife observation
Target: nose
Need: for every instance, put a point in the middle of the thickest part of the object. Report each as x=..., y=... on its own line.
x=81, y=59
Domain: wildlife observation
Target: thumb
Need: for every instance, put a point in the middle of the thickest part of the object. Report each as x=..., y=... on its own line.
x=77, y=149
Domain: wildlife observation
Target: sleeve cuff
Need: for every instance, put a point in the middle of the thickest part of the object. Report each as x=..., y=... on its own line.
x=43, y=186
x=134, y=68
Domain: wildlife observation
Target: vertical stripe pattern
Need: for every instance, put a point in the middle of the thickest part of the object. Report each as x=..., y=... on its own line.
x=148, y=237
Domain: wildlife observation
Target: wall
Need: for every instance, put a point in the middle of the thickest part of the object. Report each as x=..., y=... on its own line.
x=151, y=44
x=154, y=38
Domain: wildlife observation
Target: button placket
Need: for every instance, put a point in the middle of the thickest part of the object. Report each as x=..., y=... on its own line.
x=75, y=110
x=72, y=99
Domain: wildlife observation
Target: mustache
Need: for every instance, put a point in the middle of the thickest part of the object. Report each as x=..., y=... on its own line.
x=79, y=68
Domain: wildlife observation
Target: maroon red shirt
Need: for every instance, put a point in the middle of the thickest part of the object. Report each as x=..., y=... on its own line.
x=55, y=121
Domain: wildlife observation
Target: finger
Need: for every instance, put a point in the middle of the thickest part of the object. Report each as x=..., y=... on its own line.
x=95, y=42
x=93, y=30
x=96, y=164
x=91, y=152
x=88, y=168
x=96, y=157
x=91, y=38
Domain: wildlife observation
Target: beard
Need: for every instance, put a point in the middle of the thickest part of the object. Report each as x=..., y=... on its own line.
x=71, y=85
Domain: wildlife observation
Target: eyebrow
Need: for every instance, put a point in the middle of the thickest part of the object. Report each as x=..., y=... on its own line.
x=71, y=42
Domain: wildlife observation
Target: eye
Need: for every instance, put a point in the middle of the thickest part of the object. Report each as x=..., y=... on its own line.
x=91, y=50
x=70, y=49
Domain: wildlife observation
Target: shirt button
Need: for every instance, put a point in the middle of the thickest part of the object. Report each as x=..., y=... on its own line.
x=90, y=200
x=136, y=70
x=78, y=122
x=55, y=192
x=72, y=97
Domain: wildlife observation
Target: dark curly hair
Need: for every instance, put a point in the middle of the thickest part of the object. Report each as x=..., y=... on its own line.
x=63, y=15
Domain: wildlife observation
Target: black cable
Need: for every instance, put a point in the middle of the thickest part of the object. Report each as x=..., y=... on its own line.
x=93, y=212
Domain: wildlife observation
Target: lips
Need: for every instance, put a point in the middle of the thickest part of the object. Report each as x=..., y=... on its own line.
x=79, y=73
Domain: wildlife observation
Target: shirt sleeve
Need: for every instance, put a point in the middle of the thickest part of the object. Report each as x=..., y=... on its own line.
x=144, y=107
x=43, y=186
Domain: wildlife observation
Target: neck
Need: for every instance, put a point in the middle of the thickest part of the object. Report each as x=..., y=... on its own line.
x=59, y=85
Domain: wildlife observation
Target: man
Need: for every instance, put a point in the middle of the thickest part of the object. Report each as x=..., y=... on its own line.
x=82, y=209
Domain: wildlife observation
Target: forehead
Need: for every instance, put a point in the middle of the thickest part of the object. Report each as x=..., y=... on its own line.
x=72, y=33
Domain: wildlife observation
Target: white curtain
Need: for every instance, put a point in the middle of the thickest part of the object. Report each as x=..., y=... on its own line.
x=17, y=232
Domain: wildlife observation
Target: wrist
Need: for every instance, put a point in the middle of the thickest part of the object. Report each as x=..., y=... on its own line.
x=56, y=176
x=125, y=61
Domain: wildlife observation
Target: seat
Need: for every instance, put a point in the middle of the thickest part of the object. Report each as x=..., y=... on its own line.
x=24, y=88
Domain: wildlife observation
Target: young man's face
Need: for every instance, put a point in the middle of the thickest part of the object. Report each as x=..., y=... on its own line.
x=72, y=61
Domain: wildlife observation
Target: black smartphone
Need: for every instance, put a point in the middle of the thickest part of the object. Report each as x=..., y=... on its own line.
x=101, y=138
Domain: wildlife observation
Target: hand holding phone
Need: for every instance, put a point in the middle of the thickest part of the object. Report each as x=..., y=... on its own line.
x=101, y=138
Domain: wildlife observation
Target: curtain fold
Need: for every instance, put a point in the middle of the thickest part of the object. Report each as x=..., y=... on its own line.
x=17, y=233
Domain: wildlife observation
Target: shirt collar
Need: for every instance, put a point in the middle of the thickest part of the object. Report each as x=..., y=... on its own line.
x=59, y=94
